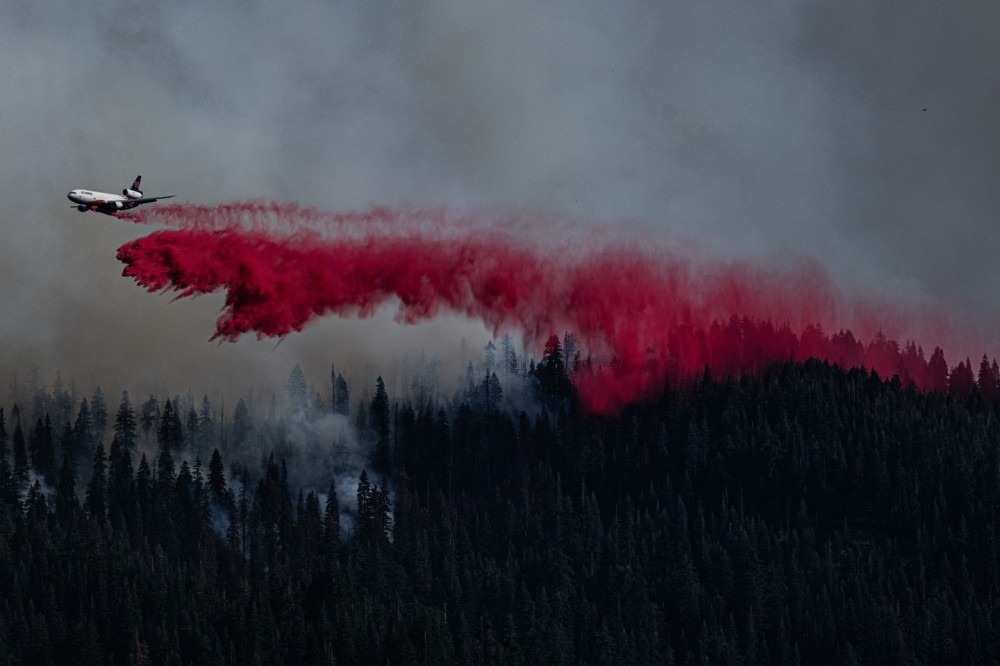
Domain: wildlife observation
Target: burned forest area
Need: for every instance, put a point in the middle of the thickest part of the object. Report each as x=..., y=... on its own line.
x=803, y=514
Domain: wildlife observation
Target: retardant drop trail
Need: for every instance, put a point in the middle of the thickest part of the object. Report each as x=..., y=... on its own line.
x=639, y=316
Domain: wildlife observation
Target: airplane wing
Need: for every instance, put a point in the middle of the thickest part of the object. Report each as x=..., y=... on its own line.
x=136, y=202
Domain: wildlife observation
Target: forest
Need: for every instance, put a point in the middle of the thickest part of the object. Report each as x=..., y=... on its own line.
x=803, y=514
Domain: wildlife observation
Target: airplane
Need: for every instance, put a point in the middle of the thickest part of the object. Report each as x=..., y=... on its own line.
x=110, y=204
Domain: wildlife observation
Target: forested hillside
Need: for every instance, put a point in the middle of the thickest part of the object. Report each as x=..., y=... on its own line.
x=803, y=515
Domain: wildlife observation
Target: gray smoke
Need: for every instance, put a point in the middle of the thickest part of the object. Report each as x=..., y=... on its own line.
x=770, y=131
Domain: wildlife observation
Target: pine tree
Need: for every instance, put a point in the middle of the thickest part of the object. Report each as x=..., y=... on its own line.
x=83, y=431
x=144, y=486
x=121, y=493
x=937, y=371
x=311, y=528
x=67, y=447
x=217, y=481
x=361, y=419
x=987, y=381
x=553, y=383
x=165, y=469
x=36, y=509
x=297, y=392
x=98, y=413
x=366, y=508
x=20, y=460
x=149, y=415
x=383, y=509
x=43, y=450
x=331, y=519
x=125, y=424
x=342, y=405
x=206, y=427
x=67, y=506
x=490, y=357
x=333, y=388
x=962, y=382
x=191, y=429
x=379, y=423
x=241, y=425
x=7, y=492
x=491, y=392
x=170, y=434
x=96, y=503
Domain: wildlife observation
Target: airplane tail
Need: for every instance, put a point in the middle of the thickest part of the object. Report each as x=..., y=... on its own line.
x=135, y=185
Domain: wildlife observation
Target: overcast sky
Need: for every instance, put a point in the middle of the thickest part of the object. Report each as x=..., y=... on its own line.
x=864, y=135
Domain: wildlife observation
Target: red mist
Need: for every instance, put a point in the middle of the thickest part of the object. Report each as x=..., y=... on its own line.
x=640, y=316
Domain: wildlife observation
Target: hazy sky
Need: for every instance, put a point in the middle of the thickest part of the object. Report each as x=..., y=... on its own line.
x=862, y=134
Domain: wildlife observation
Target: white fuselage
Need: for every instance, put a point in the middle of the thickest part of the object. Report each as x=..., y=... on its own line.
x=89, y=197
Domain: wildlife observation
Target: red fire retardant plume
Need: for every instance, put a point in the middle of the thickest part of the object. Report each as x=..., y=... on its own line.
x=640, y=317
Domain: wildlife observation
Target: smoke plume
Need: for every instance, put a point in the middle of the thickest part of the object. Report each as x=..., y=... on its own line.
x=641, y=314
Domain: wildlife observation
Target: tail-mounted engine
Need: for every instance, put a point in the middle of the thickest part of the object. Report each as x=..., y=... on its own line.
x=132, y=194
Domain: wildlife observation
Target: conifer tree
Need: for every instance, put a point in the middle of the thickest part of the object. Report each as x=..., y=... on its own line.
x=937, y=371
x=191, y=428
x=165, y=469
x=67, y=446
x=125, y=424
x=121, y=494
x=217, y=487
x=962, y=382
x=553, y=383
x=366, y=508
x=331, y=519
x=490, y=357
x=149, y=415
x=96, y=502
x=987, y=382
x=342, y=404
x=35, y=505
x=379, y=423
x=6, y=470
x=206, y=427
x=43, y=454
x=67, y=505
x=98, y=413
x=297, y=392
x=144, y=486
x=333, y=388
x=361, y=418
x=20, y=461
x=170, y=434
x=241, y=425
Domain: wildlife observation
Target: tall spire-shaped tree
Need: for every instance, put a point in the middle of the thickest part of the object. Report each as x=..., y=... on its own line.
x=379, y=424
x=6, y=470
x=342, y=404
x=125, y=424
x=297, y=392
x=43, y=453
x=98, y=413
x=96, y=503
x=67, y=506
x=170, y=434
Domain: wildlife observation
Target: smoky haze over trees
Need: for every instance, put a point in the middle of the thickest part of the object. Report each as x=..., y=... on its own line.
x=805, y=514
x=786, y=131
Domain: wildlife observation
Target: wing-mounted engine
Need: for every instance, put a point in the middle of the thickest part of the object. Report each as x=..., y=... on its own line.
x=132, y=194
x=82, y=208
